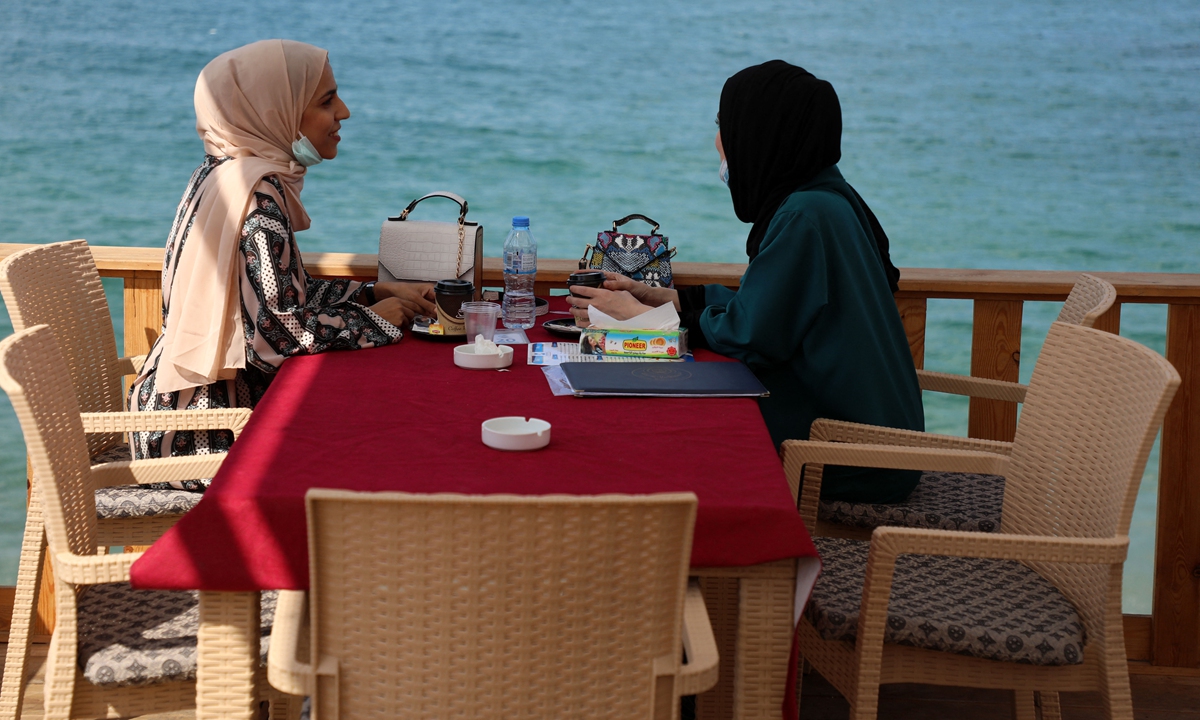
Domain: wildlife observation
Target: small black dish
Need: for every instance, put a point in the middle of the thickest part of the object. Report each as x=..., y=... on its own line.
x=562, y=326
x=540, y=305
x=420, y=328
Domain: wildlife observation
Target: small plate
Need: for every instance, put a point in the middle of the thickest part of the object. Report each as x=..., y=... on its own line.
x=516, y=433
x=465, y=357
x=541, y=306
x=420, y=328
x=562, y=326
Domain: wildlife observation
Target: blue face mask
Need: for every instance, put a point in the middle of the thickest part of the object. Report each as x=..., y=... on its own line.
x=305, y=153
x=723, y=173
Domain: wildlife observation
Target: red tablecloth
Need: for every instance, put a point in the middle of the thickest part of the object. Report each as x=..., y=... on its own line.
x=406, y=418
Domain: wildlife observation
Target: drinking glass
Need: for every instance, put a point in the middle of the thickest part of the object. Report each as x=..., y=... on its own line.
x=480, y=319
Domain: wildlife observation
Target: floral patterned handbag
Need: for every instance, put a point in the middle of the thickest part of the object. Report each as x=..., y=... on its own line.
x=641, y=257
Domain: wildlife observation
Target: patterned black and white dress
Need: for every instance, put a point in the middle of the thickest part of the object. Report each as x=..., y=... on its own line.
x=284, y=313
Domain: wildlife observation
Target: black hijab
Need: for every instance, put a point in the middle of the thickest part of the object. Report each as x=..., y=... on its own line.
x=780, y=127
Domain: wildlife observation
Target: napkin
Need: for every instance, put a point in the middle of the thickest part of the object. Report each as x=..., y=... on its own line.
x=483, y=346
x=663, y=317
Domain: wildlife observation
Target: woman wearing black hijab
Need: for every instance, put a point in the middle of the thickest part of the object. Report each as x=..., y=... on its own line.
x=815, y=317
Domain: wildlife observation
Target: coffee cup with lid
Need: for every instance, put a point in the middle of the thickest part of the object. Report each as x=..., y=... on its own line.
x=585, y=278
x=449, y=296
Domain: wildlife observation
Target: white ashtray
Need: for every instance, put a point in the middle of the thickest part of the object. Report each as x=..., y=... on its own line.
x=516, y=433
x=465, y=357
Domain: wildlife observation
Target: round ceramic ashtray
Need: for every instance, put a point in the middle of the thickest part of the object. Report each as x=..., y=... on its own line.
x=516, y=433
x=465, y=357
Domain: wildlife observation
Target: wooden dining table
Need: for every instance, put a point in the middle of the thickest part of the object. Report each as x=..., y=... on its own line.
x=404, y=417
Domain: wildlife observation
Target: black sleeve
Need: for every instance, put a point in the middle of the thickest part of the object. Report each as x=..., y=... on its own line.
x=691, y=298
x=691, y=306
x=365, y=295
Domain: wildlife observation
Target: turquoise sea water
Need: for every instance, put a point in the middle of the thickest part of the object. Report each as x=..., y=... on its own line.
x=984, y=135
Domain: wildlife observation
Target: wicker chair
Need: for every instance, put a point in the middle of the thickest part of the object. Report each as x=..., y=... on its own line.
x=941, y=500
x=441, y=606
x=1035, y=607
x=1090, y=298
x=58, y=285
x=115, y=651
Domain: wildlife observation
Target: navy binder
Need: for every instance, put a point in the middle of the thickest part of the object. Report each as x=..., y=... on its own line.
x=663, y=379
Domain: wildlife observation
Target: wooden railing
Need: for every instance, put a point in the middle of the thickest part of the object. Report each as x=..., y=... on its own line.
x=1168, y=640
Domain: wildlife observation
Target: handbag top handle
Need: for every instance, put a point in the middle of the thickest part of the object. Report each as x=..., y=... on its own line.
x=635, y=216
x=462, y=204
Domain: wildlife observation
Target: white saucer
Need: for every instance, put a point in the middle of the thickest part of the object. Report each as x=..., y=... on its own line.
x=465, y=357
x=516, y=433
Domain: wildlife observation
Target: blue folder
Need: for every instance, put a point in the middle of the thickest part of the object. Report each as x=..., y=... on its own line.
x=662, y=379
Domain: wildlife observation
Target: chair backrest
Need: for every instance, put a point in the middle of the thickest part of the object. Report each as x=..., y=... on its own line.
x=1095, y=403
x=1094, y=406
x=441, y=606
x=35, y=376
x=1090, y=298
x=58, y=285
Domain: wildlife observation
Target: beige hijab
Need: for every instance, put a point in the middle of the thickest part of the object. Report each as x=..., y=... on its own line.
x=249, y=103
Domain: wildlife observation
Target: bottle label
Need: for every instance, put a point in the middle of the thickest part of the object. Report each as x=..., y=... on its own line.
x=520, y=262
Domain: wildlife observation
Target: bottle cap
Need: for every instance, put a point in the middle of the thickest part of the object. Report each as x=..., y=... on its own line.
x=521, y=221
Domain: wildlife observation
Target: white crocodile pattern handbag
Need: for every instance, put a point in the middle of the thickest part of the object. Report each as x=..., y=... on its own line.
x=421, y=250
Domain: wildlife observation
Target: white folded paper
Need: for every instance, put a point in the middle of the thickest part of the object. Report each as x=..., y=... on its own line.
x=483, y=346
x=663, y=317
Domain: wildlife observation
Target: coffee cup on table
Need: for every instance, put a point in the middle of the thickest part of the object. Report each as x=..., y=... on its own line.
x=587, y=278
x=449, y=296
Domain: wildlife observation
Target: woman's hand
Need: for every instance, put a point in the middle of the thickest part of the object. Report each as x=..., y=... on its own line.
x=652, y=296
x=399, y=302
x=394, y=311
x=417, y=297
x=617, y=304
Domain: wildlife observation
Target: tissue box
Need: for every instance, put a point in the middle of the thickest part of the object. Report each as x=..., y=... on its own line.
x=649, y=344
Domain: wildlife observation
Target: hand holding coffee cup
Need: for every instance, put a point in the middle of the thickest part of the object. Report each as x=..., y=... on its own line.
x=619, y=304
x=618, y=297
x=585, y=278
x=652, y=296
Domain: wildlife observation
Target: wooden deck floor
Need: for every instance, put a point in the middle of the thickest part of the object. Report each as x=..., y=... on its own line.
x=32, y=707
x=1154, y=698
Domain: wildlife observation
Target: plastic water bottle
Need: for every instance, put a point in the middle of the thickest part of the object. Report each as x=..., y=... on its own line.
x=520, y=270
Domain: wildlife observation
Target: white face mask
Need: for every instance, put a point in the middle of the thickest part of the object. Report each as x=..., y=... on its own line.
x=723, y=173
x=305, y=153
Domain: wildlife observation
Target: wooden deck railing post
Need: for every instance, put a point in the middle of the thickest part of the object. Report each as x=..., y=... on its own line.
x=143, y=310
x=1111, y=320
x=996, y=355
x=1176, y=629
x=912, y=314
x=143, y=320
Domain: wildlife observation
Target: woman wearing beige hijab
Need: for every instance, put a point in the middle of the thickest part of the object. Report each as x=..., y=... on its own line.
x=237, y=300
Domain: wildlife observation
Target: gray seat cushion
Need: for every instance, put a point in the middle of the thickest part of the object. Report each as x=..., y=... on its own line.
x=123, y=501
x=941, y=501
x=131, y=502
x=142, y=637
x=116, y=453
x=990, y=609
